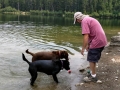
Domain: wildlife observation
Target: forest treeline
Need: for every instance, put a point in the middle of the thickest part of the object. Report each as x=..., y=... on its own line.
x=102, y=8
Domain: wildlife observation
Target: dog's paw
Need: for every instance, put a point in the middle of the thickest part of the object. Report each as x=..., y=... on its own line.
x=31, y=84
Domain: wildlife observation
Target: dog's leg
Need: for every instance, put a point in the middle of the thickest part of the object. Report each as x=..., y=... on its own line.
x=55, y=78
x=33, y=73
x=33, y=78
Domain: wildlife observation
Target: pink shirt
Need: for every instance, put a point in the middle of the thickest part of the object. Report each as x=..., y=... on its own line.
x=97, y=37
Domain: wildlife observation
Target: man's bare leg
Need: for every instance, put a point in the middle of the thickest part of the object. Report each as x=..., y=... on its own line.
x=93, y=68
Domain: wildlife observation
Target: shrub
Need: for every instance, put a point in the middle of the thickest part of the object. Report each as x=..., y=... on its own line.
x=95, y=14
x=8, y=9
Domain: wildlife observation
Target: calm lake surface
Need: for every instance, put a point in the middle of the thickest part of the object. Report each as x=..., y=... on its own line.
x=38, y=33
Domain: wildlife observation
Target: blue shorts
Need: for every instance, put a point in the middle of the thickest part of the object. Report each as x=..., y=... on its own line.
x=94, y=54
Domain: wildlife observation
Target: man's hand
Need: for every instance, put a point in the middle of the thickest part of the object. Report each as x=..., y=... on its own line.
x=87, y=48
x=85, y=43
x=82, y=52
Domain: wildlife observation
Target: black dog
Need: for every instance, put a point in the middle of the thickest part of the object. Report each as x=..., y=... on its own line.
x=49, y=67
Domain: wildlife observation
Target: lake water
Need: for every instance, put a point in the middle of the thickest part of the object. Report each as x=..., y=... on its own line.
x=38, y=33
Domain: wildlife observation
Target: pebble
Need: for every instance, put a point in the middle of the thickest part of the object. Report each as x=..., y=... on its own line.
x=82, y=70
x=79, y=84
x=117, y=71
x=99, y=81
x=116, y=77
x=113, y=60
x=106, y=53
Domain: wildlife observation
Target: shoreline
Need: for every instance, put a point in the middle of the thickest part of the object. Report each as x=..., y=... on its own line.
x=108, y=70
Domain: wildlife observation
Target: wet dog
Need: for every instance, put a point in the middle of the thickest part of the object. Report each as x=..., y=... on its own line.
x=49, y=67
x=49, y=55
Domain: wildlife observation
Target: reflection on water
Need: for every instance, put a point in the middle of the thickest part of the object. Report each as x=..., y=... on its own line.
x=42, y=37
x=16, y=37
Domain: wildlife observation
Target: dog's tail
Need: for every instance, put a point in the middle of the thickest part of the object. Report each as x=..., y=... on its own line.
x=24, y=58
x=29, y=52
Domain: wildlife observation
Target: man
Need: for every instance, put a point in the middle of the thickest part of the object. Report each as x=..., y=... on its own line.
x=94, y=41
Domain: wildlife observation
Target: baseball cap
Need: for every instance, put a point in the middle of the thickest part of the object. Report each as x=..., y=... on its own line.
x=76, y=16
x=79, y=15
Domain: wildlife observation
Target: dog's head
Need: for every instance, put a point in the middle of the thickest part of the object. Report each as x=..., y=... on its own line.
x=62, y=54
x=66, y=65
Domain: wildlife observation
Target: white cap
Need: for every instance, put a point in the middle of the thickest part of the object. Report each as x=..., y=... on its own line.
x=79, y=15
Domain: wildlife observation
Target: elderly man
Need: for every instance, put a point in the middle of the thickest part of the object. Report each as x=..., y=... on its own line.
x=94, y=41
